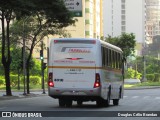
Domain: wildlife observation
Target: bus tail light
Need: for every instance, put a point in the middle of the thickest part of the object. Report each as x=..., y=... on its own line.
x=97, y=80
x=50, y=81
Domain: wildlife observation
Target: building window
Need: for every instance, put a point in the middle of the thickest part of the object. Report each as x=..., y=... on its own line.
x=123, y=17
x=123, y=6
x=87, y=33
x=86, y=10
x=123, y=1
x=123, y=22
x=123, y=28
x=123, y=11
x=87, y=21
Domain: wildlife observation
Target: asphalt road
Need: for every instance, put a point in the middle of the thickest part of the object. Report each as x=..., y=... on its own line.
x=134, y=100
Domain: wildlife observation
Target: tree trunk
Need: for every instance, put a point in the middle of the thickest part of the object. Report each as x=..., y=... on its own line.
x=7, y=78
x=6, y=59
x=28, y=81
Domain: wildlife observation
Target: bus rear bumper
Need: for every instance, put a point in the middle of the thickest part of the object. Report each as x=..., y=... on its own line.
x=75, y=94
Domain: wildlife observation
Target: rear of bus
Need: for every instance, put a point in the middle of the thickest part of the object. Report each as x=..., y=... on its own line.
x=72, y=69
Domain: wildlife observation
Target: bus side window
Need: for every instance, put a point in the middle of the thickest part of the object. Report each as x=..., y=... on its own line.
x=119, y=60
x=103, y=56
x=107, y=57
x=110, y=58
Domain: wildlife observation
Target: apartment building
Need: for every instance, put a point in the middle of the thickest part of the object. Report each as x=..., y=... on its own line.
x=152, y=19
x=90, y=24
x=125, y=16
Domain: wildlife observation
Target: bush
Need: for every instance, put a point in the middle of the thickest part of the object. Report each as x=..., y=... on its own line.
x=35, y=80
x=2, y=82
x=150, y=77
x=130, y=73
x=14, y=80
x=157, y=77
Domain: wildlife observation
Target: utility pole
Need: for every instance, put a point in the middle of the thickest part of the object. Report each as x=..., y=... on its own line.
x=24, y=61
x=42, y=67
x=144, y=79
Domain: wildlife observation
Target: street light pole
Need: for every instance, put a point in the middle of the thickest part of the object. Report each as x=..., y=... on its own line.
x=144, y=79
x=24, y=61
x=42, y=68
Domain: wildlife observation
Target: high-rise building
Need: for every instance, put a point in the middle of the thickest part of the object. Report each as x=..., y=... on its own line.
x=152, y=19
x=124, y=16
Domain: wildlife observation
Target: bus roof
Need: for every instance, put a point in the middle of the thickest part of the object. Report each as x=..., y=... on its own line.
x=103, y=43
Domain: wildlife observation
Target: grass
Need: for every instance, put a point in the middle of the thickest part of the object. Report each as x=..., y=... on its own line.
x=142, y=84
x=33, y=87
x=36, y=87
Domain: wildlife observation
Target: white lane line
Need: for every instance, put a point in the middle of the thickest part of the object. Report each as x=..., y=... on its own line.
x=157, y=97
x=146, y=97
x=135, y=97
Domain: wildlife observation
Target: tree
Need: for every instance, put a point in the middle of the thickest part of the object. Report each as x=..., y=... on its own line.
x=126, y=42
x=153, y=49
x=7, y=9
x=49, y=14
x=42, y=22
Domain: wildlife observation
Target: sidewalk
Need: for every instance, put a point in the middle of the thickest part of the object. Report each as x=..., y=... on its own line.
x=142, y=87
x=20, y=95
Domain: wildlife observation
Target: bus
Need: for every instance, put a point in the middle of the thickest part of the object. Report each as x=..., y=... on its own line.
x=85, y=69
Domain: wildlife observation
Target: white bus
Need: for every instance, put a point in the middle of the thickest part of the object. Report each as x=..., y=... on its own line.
x=82, y=69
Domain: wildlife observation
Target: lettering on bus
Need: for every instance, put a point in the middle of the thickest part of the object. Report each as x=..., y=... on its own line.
x=75, y=50
x=63, y=61
x=86, y=61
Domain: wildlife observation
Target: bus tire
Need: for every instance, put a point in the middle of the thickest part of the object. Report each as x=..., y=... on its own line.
x=99, y=103
x=69, y=103
x=107, y=102
x=79, y=103
x=115, y=101
x=61, y=103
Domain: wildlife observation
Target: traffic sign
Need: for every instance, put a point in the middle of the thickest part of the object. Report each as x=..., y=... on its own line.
x=74, y=6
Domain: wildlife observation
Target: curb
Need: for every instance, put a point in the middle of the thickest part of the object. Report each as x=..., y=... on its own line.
x=141, y=88
x=20, y=96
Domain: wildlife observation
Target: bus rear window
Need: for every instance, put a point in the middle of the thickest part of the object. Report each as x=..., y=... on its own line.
x=76, y=41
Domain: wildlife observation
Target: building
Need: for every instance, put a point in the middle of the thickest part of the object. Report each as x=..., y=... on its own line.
x=90, y=24
x=124, y=16
x=152, y=19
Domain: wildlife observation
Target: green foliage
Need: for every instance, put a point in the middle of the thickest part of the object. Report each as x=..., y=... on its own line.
x=2, y=80
x=150, y=77
x=36, y=69
x=35, y=80
x=152, y=65
x=131, y=73
x=126, y=42
x=14, y=80
x=157, y=77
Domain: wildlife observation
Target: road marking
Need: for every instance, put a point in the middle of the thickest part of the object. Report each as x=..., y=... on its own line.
x=146, y=97
x=125, y=96
x=135, y=97
x=157, y=98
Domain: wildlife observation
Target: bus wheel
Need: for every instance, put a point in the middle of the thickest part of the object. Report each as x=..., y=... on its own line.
x=107, y=102
x=68, y=103
x=79, y=103
x=61, y=103
x=99, y=103
x=115, y=101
